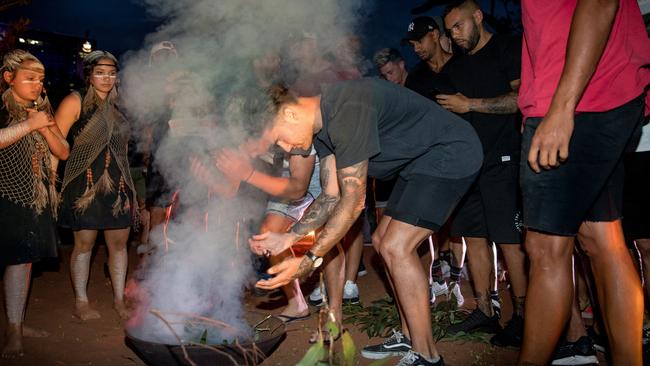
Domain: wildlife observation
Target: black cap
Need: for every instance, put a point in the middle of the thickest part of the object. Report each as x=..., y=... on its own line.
x=418, y=28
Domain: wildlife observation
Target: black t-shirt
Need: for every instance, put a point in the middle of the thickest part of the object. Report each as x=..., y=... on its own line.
x=487, y=74
x=427, y=82
x=393, y=126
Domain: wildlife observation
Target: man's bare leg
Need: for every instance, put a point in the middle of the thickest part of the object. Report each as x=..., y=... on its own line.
x=118, y=261
x=399, y=250
x=377, y=238
x=334, y=273
x=576, y=328
x=618, y=286
x=549, y=295
x=515, y=259
x=84, y=240
x=481, y=267
x=353, y=250
x=458, y=251
x=643, y=245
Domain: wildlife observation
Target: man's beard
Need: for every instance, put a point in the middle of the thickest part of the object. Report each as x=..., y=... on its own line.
x=474, y=38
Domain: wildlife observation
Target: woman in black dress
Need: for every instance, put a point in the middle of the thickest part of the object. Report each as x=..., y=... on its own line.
x=30, y=144
x=97, y=189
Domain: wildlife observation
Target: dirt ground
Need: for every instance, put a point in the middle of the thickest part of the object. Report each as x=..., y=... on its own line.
x=101, y=342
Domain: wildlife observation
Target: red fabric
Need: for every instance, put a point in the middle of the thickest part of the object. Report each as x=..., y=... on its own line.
x=619, y=77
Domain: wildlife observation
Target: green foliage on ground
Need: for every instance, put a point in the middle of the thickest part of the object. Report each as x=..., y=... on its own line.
x=381, y=316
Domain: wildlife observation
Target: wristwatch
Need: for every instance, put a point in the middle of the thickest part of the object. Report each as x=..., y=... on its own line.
x=316, y=261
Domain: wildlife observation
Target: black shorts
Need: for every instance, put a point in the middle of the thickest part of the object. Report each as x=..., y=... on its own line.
x=426, y=201
x=636, y=197
x=383, y=189
x=589, y=185
x=492, y=207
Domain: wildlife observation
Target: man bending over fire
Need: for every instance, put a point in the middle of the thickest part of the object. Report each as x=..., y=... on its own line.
x=370, y=127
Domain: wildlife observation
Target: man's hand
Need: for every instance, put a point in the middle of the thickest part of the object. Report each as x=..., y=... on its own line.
x=457, y=103
x=550, y=144
x=221, y=187
x=234, y=164
x=285, y=272
x=269, y=243
x=200, y=172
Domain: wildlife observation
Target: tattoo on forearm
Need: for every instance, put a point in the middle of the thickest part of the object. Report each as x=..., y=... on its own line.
x=504, y=104
x=316, y=215
x=304, y=268
x=352, y=183
x=318, y=212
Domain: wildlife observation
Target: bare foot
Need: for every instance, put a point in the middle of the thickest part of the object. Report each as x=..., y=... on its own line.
x=30, y=332
x=14, y=343
x=121, y=310
x=83, y=311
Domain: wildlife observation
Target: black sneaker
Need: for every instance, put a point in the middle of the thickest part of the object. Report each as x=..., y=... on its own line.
x=580, y=352
x=362, y=271
x=414, y=358
x=476, y=321
x=511, y=335
x=599, y=340
x=395, y=345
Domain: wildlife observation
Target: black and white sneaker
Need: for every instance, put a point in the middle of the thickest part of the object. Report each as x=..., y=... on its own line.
x=599, y=340
x=511, y=335
x=414, y=358
x=477, y=321
x=395, y=345
x=580, y=352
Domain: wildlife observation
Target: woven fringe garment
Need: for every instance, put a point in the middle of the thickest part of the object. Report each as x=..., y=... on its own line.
x=106, y=130
x=27, y=173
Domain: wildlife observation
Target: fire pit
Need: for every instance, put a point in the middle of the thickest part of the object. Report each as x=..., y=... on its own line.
x=270, y=331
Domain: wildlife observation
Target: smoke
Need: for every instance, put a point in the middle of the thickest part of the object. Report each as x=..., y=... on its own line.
x=183, y=105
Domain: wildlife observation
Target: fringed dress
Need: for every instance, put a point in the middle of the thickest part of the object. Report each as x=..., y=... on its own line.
x=97, y=190
x=28, y=231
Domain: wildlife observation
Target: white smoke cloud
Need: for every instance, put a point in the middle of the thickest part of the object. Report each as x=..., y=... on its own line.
x=204, y=272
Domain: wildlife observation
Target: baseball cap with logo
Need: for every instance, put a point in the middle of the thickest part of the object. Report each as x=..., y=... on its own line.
x=419, y=27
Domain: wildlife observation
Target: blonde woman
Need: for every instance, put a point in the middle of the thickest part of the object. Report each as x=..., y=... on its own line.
x=29, y=144
x=97, y=189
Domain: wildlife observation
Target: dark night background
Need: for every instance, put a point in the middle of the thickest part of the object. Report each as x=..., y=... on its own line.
x=119, y=26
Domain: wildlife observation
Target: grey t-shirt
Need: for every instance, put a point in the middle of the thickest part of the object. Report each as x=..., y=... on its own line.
x=393, y=127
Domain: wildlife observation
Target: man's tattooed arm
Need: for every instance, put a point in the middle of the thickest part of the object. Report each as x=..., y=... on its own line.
x=320, y=210
x=352, y=183
x=503, y=104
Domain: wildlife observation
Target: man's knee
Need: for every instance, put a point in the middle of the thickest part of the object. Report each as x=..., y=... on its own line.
x=545, y=249
x=598, y=238
x=376, y=241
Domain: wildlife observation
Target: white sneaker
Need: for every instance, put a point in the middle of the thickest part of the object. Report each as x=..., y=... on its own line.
x=454, y=292
x=350, y=293
x=316, y=298
x=438, y=289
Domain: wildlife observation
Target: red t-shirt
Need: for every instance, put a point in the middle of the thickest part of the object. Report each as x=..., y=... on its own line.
x=619, y=77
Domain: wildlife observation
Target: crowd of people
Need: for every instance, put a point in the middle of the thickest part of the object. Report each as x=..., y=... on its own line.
x=533, y=147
